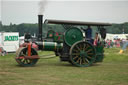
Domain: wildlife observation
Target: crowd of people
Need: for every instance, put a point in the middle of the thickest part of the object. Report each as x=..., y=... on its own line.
x=116, y=43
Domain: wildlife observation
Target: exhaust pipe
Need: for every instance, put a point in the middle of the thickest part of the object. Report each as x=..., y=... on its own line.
x=40, y=27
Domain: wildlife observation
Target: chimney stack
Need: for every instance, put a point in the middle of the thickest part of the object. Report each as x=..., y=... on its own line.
x=40, y=27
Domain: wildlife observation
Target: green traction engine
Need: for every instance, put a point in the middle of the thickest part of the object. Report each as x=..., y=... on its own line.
x=71, y=45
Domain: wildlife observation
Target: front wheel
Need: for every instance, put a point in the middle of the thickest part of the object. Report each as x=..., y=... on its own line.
x=20, y=57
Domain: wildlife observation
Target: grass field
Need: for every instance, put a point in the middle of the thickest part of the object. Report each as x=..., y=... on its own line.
x=112, y=71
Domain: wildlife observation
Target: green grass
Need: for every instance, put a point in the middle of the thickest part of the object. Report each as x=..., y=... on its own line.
x=112, y=71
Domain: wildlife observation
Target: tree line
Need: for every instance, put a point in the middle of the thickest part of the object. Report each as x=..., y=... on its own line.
x=33, y=28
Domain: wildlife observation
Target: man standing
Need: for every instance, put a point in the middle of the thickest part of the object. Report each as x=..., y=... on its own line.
x=88, y=33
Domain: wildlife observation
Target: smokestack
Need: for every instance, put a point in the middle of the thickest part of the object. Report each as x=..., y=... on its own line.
x=40, y=25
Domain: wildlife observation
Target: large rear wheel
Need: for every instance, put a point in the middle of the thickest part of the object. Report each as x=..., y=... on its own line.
x=82, y=54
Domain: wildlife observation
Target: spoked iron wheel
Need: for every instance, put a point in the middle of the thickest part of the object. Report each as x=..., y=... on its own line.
x=82, y=54
x=20, y=57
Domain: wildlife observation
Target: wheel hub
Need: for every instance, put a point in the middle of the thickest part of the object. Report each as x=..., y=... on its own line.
x=83, y=54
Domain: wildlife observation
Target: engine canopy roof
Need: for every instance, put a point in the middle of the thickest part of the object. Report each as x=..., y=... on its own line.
x=67, y=22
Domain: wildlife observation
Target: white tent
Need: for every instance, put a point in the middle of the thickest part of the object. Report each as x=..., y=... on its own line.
x=116, y=36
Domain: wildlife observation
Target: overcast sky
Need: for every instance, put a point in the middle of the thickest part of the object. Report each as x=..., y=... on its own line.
x=26, y=11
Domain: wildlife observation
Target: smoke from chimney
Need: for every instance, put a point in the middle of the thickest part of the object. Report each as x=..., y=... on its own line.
x=42, y=5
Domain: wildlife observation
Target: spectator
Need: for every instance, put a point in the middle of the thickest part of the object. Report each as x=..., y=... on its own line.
x=118, y=43
x=124, y=47
x=111, y=43
x=107, y=43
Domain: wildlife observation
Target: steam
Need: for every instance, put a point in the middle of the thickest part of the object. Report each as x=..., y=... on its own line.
x=42, y=5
